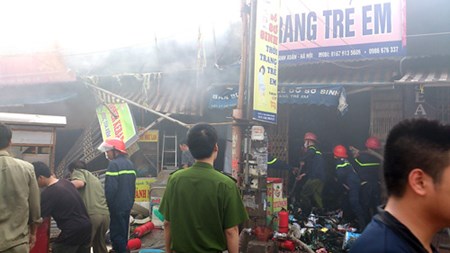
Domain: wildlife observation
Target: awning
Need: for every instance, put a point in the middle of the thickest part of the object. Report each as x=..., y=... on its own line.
x=426, y=70
x=328, y=95
x=348, y=73
x=426, y=77
x=12, y=96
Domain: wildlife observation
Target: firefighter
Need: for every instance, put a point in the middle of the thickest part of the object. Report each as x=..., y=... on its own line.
x=348, y=178
x=312, y=166
x=120, y=187
x=368, y=164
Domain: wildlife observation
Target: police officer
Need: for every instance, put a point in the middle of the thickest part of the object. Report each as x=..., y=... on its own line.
x=348, y=178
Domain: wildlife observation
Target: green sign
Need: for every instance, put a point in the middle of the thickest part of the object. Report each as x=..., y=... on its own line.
x=116, y=121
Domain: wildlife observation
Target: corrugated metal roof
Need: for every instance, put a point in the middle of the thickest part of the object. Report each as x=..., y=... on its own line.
x=426, y=70
x=426, y=77
x=176, y=98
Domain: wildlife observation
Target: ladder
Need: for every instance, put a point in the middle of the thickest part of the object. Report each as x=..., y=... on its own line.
x=169, y=151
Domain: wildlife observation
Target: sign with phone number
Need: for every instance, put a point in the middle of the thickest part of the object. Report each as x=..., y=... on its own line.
x=374, y=50
x=312, y=30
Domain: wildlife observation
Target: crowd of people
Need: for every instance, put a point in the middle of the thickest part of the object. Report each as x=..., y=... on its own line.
x=82, y=209
x=356, y=178
x=203, y=208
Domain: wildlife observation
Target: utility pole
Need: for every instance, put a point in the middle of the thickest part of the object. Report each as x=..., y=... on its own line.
x=238, y=112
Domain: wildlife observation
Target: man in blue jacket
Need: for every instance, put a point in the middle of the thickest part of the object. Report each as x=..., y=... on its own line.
x=120, y=188
x=417, y=177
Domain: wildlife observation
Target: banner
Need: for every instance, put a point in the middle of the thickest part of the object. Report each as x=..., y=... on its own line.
x=312, y=30
x=265, y=78
x=221, y=98
x=116, y=121
x=330, y=95
x=324, y=95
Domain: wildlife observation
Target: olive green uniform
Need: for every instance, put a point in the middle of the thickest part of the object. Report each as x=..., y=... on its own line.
x=19, y=203
x=94, y=199
x=200, y=203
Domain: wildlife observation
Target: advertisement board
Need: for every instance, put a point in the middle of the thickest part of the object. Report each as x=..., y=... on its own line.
x=265, y=85
x=116, y=121
x=326, y=30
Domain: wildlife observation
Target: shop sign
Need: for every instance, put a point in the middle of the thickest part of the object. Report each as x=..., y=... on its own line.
x=416, y=105
x=143, y=189
x=117, y=121
x=265, y=84
x=150, y=136
x=325, y=30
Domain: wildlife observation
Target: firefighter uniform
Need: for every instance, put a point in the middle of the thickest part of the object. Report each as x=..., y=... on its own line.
x=314, y=168
x=368, y=168
x=346, y=176
x=120, y=187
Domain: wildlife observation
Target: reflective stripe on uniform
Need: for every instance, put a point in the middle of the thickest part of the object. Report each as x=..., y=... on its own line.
x=314, y=148
x=273, y=161
x=366, y=164
x=342, y=165
x=122, y=172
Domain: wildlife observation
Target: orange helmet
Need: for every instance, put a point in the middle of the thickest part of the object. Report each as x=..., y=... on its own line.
x=113, y=143
x=340, y=151
x=373, y=143
x=310, y=136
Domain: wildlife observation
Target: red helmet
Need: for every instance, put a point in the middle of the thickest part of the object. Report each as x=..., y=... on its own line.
x=340, y=151
x=310, y=136
x=113, y=143
x=373, y=143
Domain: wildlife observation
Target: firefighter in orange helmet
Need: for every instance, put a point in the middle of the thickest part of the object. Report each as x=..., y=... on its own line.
x=368, y=165
x=312, y=166
x=348, y=178
x=120, y=185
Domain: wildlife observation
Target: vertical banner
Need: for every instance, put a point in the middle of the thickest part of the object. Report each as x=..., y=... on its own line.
x=265, y=86
x=116, y=121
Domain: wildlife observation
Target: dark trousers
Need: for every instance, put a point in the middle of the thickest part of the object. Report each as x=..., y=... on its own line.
x=119, y=230
x=64, y=248
x=353, y=199
x=370, y=198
